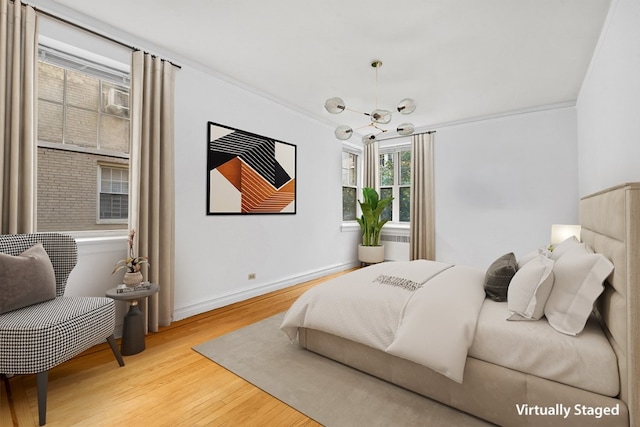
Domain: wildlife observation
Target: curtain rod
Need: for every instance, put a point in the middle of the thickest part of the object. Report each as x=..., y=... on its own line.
x=95, y=33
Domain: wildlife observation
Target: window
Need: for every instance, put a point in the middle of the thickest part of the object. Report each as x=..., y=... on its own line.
x=395, y=181
x=83, y=142
x=349, y=185
x=114, y=194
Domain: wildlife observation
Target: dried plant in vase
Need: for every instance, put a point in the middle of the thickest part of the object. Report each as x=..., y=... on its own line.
x=133, y=275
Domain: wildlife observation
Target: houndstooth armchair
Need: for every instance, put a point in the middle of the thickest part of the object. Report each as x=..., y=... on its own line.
x=36, y=338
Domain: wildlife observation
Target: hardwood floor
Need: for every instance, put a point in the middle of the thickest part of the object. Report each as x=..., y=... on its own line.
x=168, y=384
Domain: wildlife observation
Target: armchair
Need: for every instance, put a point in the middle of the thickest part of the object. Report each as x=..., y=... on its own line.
x=37, y=337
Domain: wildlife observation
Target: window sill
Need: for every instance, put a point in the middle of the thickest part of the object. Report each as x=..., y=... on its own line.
x=396, y=228
x=350, y=226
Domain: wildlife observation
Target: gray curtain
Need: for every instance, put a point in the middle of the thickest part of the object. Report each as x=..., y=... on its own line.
x=18, y=137
x=422, y=228
x=371, y=162
x=151, y=178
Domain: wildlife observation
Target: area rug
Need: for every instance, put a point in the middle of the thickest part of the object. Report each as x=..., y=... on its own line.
x=330, y=393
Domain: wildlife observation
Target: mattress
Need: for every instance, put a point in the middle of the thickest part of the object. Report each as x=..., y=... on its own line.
x=586, y=361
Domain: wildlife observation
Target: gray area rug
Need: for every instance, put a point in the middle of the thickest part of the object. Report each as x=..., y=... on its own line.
x=332, y=394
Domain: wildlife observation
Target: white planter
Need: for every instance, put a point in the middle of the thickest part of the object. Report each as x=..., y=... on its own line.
x=371, y=254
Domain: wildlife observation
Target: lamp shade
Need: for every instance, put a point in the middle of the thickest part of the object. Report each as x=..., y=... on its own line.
x=405, y=129
x=561, y=232
x=343, y=132
x=380, y=116
x=334, y=105
x=406, y=106
x=368, y=138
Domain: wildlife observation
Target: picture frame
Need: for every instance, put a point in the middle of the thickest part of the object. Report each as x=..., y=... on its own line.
x=249, y=174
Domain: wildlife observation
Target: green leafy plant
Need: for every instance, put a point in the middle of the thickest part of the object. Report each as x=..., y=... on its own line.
x=370, y=221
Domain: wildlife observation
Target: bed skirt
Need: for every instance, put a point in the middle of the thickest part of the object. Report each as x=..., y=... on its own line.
x=491, y=392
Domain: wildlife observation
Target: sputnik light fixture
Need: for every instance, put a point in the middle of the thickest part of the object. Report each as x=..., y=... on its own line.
x=377, y=117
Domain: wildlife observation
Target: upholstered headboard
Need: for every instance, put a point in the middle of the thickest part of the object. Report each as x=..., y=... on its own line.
x=610, y=222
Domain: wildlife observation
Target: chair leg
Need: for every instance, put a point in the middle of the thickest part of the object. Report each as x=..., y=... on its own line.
x=42, y=378
x=116, y=351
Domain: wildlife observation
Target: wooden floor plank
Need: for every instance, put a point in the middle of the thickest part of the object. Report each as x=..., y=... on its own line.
x=168, y=384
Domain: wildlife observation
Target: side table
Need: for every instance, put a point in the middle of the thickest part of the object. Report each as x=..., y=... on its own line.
x=133, y=328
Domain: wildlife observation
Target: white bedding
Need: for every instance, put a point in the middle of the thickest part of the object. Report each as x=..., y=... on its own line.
x=586, y=361
x=423, y=311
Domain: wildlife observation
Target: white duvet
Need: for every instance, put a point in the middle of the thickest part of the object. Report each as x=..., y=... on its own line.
x=422, y=311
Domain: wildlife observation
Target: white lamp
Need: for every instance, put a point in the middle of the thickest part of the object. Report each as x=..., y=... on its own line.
x=561, y=232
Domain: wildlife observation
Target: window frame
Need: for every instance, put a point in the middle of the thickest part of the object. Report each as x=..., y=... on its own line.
x=109, y=70
x=396, y=150
x=111, y=166
x=356, y=185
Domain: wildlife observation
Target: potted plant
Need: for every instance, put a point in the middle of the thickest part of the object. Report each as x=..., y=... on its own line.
x=370, y=251
x=133, y=275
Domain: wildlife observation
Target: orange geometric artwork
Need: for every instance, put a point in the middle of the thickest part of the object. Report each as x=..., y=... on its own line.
x=248, y=173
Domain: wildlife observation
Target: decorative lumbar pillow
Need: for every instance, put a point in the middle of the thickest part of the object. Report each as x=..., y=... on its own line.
x=530, y=288
x=563, y=247
x=26, y=279
x=579, y=277
x=498, y=276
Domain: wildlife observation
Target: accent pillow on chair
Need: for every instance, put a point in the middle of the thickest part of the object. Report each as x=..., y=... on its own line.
x=26, y=279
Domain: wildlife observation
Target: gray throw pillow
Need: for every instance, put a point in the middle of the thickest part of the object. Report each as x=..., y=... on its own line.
x=498, y=277
x=26, y=279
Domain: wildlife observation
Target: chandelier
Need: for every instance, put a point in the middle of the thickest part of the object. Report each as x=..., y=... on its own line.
x=377, y=117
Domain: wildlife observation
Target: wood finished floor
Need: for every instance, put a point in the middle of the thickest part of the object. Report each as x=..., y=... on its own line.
x=168, y=384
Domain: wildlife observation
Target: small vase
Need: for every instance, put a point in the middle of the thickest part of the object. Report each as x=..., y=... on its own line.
x=132, y=279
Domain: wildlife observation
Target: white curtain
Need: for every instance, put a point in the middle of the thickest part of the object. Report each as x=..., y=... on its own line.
x=422, y=228
x=18, y=131
x=371, y=162
x=151, y=177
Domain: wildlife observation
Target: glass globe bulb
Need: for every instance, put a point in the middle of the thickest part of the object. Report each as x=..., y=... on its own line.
x=343, y=132
x=334, y=105
x=380, y=116
x=368, y=138
x=406, y=106
x=405, y=129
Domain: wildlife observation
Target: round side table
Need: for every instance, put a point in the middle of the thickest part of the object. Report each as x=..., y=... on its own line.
x=133, y=328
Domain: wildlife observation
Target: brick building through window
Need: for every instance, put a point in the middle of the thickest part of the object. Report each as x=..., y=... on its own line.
x=83, y=143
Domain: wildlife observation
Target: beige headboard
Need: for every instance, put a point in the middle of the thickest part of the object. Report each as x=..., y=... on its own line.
x=610, y=222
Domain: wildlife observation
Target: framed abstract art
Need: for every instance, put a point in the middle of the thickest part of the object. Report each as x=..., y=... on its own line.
x=248, y=173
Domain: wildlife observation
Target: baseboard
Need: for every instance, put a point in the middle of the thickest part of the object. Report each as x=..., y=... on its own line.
x=224, y=300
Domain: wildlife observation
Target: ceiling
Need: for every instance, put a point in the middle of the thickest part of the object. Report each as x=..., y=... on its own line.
x=458, y=59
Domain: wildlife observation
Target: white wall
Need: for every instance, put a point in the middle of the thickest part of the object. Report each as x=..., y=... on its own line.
x=609, y=104
x=215, y=254
x=501, y=183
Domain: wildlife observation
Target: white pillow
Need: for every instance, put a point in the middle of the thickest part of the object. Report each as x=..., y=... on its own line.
x=530, y=288
x=527, y=257
x=563, y=247
x=579, y=277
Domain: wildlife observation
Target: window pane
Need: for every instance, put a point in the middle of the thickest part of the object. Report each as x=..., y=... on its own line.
x=50, y=121
x=81, y=127
x=114, y=206
x=349, y=203
x=387, y=213
x=114, y=201
x=82, y=91
x=349, y=169
x=84, y=110
x=386, y=169
x=405, y=204
x=405, y=167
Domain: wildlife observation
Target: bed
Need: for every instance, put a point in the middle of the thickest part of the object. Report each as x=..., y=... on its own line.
x=507, y=395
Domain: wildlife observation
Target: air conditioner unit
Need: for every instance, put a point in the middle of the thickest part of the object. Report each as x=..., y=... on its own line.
x=117, y=100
